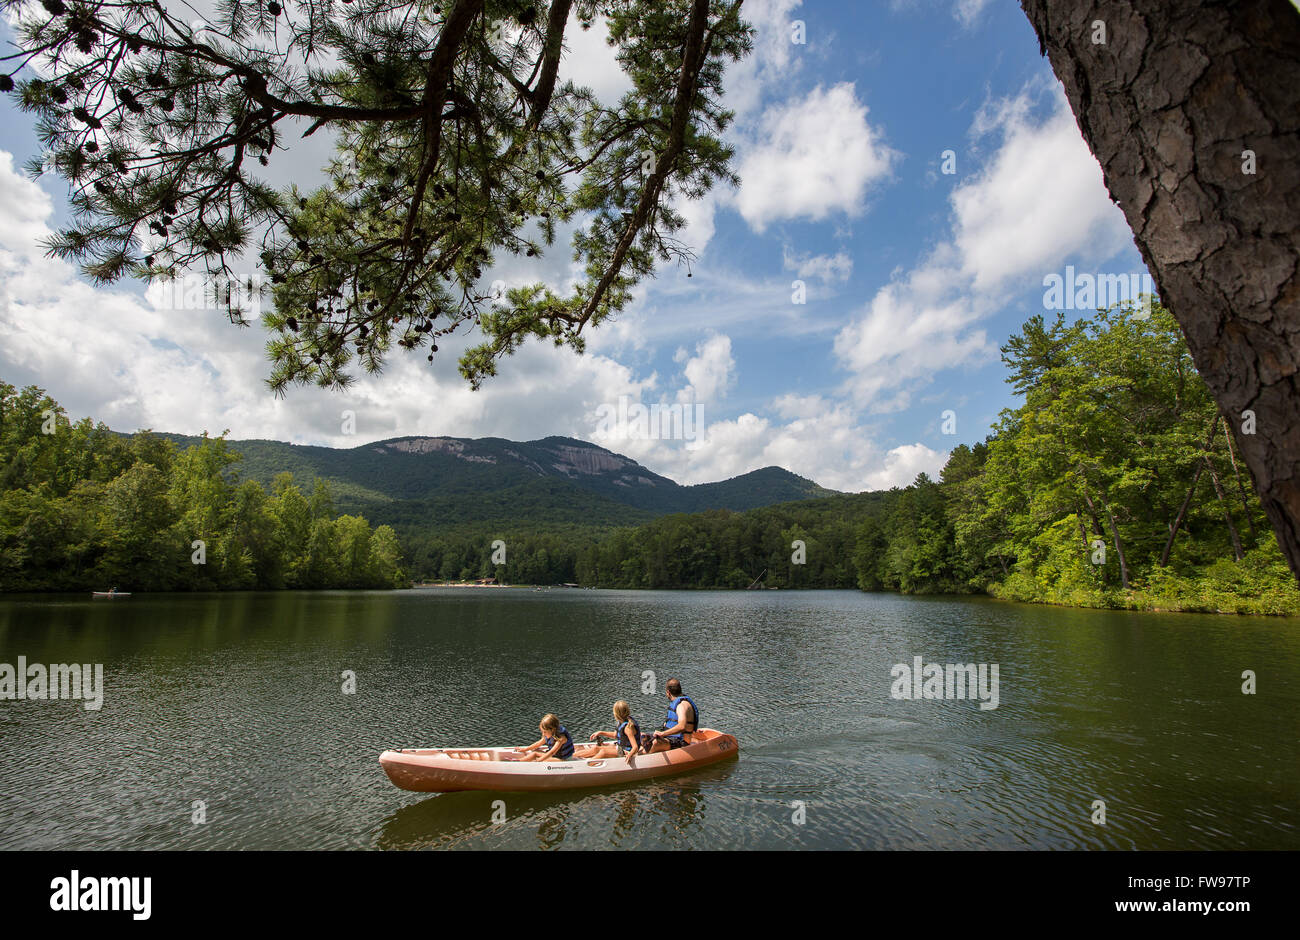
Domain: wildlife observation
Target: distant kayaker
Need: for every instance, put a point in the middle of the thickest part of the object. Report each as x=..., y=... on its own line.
x=556, y=742
x=627, y=737
x=683, y=718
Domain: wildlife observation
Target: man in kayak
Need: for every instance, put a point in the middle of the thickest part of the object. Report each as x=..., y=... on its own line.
x=683, y=719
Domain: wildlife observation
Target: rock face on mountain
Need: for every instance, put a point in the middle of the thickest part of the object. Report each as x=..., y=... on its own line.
x=431, y=445
x=576, y=460
x=422, y=445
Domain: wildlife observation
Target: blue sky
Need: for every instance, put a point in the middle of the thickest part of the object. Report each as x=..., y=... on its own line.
x=913, y=276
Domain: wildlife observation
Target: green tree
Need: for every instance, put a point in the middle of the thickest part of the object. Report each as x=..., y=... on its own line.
x=256, y=537
x=137, y=518
x=386, y=559
x=293, y=517
x=322, y=569
x=352, y=551
x=1220, y=246
x=458, y=144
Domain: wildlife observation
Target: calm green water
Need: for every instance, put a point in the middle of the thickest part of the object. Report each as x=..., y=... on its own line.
x=236, y=700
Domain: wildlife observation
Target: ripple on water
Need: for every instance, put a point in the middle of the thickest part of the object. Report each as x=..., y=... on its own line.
x=235, y=704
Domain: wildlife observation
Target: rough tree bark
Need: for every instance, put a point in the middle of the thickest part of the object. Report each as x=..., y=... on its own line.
x=1170, y=104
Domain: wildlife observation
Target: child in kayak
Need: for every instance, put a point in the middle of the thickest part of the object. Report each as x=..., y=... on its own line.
x=627, y=737
x=556, y=742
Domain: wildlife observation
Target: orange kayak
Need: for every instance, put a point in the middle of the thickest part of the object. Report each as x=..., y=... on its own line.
x=445, y=770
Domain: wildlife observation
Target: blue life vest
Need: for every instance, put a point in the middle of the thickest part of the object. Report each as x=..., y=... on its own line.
x=621, y=735
x=672, y=719
x=566, y=749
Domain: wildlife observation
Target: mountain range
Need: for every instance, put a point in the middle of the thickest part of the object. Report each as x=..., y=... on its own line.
x=444, y=481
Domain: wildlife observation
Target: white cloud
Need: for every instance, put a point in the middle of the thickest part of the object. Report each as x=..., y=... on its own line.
x=836, y=267
x=903, y=463
x=1039, y=202
x=968, y=11
x=965, y=12
x=26, y=207
x=905, y=337
x=1041, y=198
x=590, y=61
x=109, y=353
x=774, y=59
x=676, y=307
x=817, y=438
x=710, y=372
x=814, y=156
x=699, y=214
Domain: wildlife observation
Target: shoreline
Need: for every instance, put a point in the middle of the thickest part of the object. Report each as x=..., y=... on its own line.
x=1115, y=603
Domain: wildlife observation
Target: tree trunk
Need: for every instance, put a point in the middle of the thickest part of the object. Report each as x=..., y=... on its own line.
x=1187, y=500
x=1119, y=546
x=1176, y=104
x=1227, y=510
x=1182, y=513
x=1098, y=530
x=1241, y=487
x=1114, y=531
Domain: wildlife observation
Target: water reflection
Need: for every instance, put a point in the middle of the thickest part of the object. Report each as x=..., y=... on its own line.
x=605, y=817
x=237, y=699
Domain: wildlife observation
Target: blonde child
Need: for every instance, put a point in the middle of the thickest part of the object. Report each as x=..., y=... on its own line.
x=556, y=742
x=626, y=737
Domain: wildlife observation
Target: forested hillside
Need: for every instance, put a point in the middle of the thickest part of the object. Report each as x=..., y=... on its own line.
x=82, y=508
x=1112, y=485
x=415, y=483
x=1116, y=482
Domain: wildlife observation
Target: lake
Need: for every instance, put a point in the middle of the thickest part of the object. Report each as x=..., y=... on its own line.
x=237, y=701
